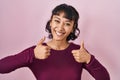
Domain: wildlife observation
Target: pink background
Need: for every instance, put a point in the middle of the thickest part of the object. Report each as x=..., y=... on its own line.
x=22, y=24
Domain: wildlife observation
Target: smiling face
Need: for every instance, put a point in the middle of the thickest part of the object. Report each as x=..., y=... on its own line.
x=63, y=21
x=61, y=27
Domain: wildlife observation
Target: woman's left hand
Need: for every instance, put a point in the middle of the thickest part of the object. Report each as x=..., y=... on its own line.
x=81, y=55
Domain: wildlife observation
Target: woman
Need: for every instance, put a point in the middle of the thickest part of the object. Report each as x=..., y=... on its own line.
x=57, y=59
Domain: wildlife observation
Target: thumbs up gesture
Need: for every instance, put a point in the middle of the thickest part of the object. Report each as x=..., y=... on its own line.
x=41, y=51
x=81, y=55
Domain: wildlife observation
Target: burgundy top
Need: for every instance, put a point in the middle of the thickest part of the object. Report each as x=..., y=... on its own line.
x=60, y=65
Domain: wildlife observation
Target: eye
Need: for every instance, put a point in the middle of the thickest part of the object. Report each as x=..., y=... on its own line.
x=67, y=24
x=57, y=21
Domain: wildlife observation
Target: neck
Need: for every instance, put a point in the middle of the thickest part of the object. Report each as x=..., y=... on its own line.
x=58, y=45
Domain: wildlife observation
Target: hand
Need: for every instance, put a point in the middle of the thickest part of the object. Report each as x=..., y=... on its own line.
x=41, y=51
x=81, y=55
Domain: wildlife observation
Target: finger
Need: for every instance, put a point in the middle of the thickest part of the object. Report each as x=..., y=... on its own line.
x=74, y=55
x=73, y=51
x=82, y=44
x=47, y=48
x=48, y=53
x=77, y=58
x=41, y=41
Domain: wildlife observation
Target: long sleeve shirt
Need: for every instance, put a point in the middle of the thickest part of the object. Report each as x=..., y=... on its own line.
x=60, y=65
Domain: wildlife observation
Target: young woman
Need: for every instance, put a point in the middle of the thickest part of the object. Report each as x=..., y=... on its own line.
x=57, y=59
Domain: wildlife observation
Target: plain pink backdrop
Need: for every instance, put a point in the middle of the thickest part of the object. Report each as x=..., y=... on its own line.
x=22, y=24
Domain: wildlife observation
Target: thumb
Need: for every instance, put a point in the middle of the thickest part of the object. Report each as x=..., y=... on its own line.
x=82, y=44
x=41, y=41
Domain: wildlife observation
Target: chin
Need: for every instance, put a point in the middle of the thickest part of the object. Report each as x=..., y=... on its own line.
x=59, y=39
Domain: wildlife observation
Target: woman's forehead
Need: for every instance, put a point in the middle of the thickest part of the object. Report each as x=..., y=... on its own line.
x=61, y=15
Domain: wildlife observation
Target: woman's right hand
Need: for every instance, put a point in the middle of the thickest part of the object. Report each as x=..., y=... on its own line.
x=41, y=51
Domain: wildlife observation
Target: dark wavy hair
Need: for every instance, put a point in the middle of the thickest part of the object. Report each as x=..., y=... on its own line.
x=71, y=14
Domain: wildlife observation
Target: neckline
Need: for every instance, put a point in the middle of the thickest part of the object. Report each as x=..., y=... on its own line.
x=62, y=49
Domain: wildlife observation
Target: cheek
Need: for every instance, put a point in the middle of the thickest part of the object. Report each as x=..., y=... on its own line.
x=52, y=26
x=53, y=30
x=70, y=29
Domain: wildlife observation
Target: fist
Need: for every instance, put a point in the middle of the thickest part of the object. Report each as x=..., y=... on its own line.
x=81, y=55
x=41, y=51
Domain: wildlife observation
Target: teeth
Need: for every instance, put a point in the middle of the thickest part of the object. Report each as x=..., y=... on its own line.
x=59, y=33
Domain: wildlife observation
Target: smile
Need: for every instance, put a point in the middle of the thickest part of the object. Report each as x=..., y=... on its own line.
x=60, y=33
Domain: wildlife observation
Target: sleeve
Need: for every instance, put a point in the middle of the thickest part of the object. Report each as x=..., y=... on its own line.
x=96, y=69
x=13, y=62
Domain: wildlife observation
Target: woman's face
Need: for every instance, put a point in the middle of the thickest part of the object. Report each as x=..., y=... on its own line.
x=61, y=27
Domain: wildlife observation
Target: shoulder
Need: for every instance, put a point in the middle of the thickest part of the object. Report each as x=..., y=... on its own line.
x=31, y=47
x=28, y=49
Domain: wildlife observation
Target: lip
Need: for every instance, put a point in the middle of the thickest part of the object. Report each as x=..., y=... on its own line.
x=59, y=33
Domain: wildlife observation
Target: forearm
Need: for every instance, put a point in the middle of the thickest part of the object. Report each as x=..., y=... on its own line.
x=9, y=64
x=97, y=70
x=13, y=62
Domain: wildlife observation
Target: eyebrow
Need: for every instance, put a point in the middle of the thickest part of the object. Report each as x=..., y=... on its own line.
x=57, y=17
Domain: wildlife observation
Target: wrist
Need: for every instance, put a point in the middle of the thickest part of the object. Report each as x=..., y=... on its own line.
x=88, y=59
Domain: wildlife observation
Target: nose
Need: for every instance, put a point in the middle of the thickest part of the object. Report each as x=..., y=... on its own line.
x=61, y=26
